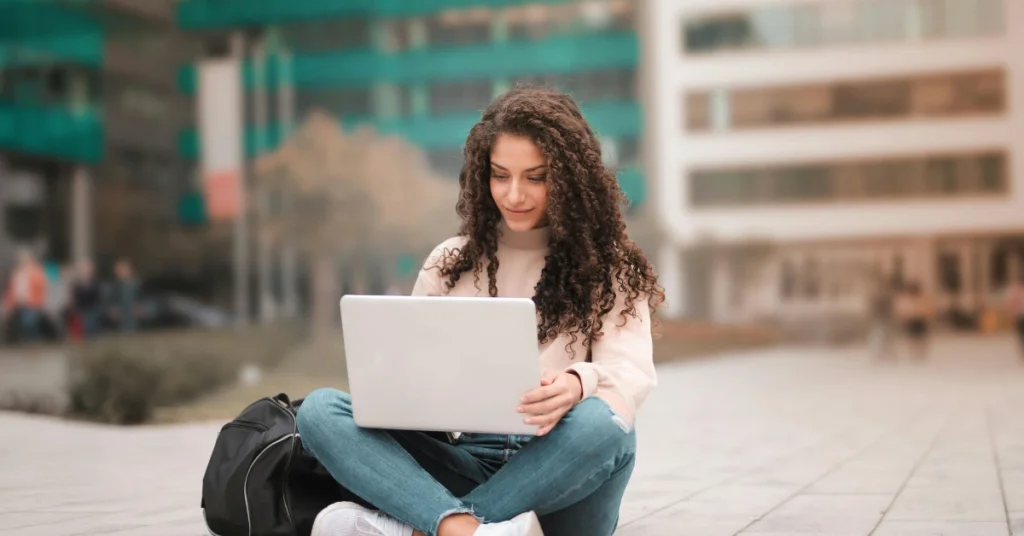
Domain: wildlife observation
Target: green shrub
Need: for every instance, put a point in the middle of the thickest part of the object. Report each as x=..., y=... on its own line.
x=122, y=379
x=116, y=387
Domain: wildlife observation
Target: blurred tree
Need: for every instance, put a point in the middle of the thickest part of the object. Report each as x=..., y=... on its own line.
x=354, y=198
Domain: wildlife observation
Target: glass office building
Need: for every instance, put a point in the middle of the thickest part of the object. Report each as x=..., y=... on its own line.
x=86, y=97
x=425, y=69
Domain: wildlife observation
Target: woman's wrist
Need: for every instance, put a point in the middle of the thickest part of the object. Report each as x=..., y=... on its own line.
x=579, y=383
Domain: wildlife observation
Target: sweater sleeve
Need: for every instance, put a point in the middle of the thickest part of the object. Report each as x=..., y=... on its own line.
x=621, y=370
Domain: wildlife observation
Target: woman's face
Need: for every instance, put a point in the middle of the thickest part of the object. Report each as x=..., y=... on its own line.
x=519, y=182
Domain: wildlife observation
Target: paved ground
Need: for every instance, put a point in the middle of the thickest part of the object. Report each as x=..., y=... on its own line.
x=786, y=442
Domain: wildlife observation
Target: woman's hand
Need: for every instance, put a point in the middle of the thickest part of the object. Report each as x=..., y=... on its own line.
x=544, y=406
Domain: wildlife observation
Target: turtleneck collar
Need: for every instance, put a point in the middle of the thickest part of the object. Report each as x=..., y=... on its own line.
x=534, y=239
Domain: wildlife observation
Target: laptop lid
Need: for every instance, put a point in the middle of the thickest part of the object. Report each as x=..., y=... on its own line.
x=446, y=364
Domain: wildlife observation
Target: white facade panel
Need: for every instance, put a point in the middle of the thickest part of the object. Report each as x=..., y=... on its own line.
x=881, y=231
x=812, y=66
x=838, y=141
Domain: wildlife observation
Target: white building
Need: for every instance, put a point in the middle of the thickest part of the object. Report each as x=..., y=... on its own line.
x=849, y=136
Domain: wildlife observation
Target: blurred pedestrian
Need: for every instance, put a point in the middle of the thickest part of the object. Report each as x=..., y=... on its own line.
x=883, y=320
x=58, y=297
x=124, y=294
x=915, y=311
x=1015, y=305
x=87, y=298
x=25, y=298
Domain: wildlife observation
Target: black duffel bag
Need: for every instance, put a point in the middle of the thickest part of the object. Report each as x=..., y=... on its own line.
x=260, y=481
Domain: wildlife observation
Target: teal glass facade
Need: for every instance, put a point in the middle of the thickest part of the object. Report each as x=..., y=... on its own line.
x=50, y=54
x=424, y=69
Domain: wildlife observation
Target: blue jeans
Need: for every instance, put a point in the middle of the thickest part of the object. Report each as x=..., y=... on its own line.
x=28, y=324
x=91, y=319
x=573, y=478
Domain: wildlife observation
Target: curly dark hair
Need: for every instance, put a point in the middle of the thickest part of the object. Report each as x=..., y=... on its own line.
x=590, y=257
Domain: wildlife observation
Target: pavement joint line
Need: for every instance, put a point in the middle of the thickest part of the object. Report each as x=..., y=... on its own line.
x=911, y=473
x=999, y=466
x=768, y=463
x=882, y=436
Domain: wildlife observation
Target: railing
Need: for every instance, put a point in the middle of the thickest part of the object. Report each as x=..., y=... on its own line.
x=208, y=14
x=611, y=119
x=557, y=55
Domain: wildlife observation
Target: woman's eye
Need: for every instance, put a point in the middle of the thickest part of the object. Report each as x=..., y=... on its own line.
x=542, y=178
x=498, y=177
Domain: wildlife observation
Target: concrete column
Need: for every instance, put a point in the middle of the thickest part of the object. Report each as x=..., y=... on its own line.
x=385, y=95
x=926, y=267
x=267, y=303
x=1014, y=21
x=419, y=93
x=286, y=120
x=81, y=215
x=1013, y=267
x=672, y=276
x=983, y=251
x=969, y=287
x=499, y=27
x=722, y=283
x=241, y=248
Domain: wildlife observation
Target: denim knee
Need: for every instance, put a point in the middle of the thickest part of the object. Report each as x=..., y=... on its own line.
x=594, y=423
x=320, y=411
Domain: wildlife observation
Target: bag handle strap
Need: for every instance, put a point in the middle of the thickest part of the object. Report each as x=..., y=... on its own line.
x=283, y=399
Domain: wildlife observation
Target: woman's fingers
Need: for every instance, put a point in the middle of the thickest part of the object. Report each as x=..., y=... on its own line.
x=552, y=414
x=560, y=402
x=542, y=408
x=541, y=394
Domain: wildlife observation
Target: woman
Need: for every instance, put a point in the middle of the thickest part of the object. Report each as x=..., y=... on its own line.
x=541, y=218
x=882, y=331
x=25, y=298
x=1015, y=304
x=916, y=312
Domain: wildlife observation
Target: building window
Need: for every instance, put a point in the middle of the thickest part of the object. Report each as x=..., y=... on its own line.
x=538, y=21
x=59, y=85
x=137, y=100
x=459, y=27
x=24, y=223
x=787, y=280
x=328, y=35
x=342, y=102
x=842, y=22
x=948, y=95
x=452, y=97
x=950, y=277
x=396, y=35
x=811, y=279
x=605, y=85
x=534, y=21
x=918, y=177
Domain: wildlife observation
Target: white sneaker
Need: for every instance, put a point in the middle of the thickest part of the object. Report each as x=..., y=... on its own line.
x=351, y=519
x=522, y=525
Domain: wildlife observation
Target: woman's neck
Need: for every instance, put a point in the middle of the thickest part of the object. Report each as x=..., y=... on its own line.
x=533, y=239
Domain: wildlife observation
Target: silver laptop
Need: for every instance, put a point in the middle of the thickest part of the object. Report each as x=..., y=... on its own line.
x=442, y=364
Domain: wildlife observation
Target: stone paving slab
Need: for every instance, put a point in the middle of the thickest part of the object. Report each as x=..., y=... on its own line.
x=786, y=442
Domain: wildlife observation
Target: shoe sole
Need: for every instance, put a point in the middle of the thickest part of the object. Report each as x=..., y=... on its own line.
x=334, y=508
